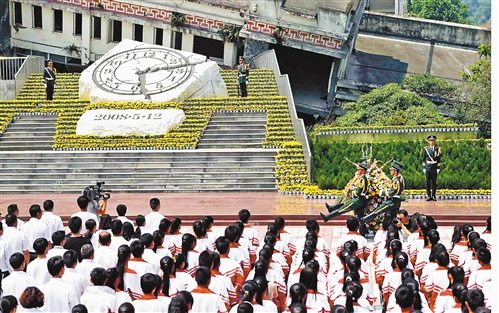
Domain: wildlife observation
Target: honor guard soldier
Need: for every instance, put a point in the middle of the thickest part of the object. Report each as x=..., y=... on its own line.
x=49, y=75
x=393, y=195
x=431, y=166
x=242, y=77
x=359, y=196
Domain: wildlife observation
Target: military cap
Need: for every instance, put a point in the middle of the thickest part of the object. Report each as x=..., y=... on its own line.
x=362, y=165
x=431, y=137
x=397, y=165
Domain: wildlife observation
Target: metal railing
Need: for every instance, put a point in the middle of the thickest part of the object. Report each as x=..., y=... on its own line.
x=9, y=67
x=268, y=59
x=32, y=64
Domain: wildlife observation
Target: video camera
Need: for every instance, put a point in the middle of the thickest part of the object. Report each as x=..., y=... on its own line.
x=97, y=192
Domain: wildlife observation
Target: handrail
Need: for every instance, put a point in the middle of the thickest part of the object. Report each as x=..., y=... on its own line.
x=32, y=64
x=268, y=59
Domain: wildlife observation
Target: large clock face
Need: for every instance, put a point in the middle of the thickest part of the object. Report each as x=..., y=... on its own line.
x=118, y=73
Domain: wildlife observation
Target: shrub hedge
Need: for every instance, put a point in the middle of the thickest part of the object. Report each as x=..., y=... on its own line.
x=466, y=164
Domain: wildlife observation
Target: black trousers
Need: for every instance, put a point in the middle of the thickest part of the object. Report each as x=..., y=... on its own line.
x=243, y=89
x=50, y=89
x=431, y=183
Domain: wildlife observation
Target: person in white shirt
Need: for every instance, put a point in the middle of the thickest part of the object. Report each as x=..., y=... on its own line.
x=58, y=242
x=205, y=300
x=154, y=217
x=87, y=263
x=59, y=296
x=4, y=259
x=404, y=297
x=35, y=229
x=137, y=263
x=121, y=211
x=52, y=221
x=149, y=302
x=8, y=304
x=38, y=267
x=31, y=300
x=15, y=240
x=104, y=254
x=149, y=256
x=99, y=297
x=249, y=232
x=13, y=209
x=71, y=275
x=117, y=239
x=83, y=203
x=484, y=272
x=18, y=280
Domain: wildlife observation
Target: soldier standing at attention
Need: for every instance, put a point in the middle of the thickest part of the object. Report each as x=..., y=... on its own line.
x=242, y=77
x=431, y=166
x=393, y=196
x=49, y=74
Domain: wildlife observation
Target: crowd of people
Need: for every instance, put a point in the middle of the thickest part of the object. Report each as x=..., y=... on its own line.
x=156, y=264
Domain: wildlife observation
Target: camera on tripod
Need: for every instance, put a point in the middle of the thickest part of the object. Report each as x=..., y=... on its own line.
x=97, y=192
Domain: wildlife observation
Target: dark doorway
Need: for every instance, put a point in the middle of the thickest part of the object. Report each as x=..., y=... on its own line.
x=209, y=47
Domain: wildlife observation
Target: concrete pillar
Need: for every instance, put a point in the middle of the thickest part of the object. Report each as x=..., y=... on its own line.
x=148, y=35
x=86, y=35
x=187, y=42
x=333, y=80
x=47, y=19
x=230, y=53
x=126, y=30
x=27, y=11
x=68, y=22
x=167, y=38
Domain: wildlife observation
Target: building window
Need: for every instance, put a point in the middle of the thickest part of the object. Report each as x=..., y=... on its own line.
x=158, y=36
x=18, y=13
x=177, y=40
x=58, y=21
x=37, y=16
x=116, y=31
x=97, y=27
x=138, y=32
x=77, y=19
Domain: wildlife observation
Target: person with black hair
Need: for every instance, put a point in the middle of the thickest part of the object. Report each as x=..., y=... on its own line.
x=479, y=277
x=237, y=252
x=249, y=232
x=262, y=268
x=432, y=264
x=91, y=230
x=8, y=304
x=472, y=300
x=14, y=239
x=444, y=299
x=59, y=295
x=18, y=280
x=85, y=204
x=128, y=279
x=75, y=240
x=438, y=280
x=32, y=299
x=140, y=221
x=14, y=210
x=137, y=262
x=487, y=233
x=244, y=307
x=99, y=297
x=418, y=244
x=170, y=285
x=229, y=267
x=38, y=267
x=404, y=297
x=149, y=301
x=393, y=279
x=353, y=225
x=385, y=265
x=153, y=218
x=297, y=308
x=352, y=298
x=58, y=242
x=34, y=229
x=248, y=295
x=49, y=219
x=204, y=299
x=177, y=305
x=284, y=234
x=408, y=224
x=420, y=303
x=261, y=296
x=174, y=236
x=202, y=240
x=79, y=308
x=381, y=251
x=315, y=299
x=149, y=255
x=71, y=275
x=422, y=257
x=459, y=241
x=126, y=307
x=121, y=210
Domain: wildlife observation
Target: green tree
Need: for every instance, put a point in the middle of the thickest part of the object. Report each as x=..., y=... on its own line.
x=484, y=50
x=479, y=11
x=426, y=84
x=441, y=10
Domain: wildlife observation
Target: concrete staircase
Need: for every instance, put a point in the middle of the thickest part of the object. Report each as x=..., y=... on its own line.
x=234, y=130
x=139, y=171
x=29, y=132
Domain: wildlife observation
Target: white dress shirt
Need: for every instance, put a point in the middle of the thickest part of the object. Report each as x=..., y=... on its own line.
x=152, y=258
x=85, y=216
x=99, y=299
x=152, y=220
x=75, y=279
x=20, y=224
x=59, y=296
x=125, y=219
x=52, y=221
x=39, y=271
x=106, y=256
x=33, y=230
x=85, y=267
x=56, y=251
x=16, y=283
x=117, y=241
x=15, y=241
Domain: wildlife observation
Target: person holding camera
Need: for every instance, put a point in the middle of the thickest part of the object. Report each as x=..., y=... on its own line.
x=431, y=166
x=405, y=223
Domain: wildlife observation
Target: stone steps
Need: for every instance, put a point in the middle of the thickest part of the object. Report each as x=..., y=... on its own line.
x=29, y=132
